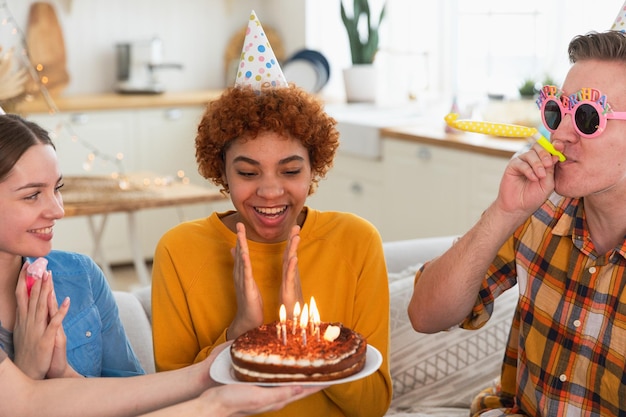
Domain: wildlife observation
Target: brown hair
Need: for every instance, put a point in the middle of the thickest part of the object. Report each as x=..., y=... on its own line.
x=607, y=46
x=16, y=136
x=242, y=112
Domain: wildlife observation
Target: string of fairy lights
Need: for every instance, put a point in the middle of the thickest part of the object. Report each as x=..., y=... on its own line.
x=10, y=25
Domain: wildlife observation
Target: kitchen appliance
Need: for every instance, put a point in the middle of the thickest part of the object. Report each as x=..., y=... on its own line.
x=138, y=64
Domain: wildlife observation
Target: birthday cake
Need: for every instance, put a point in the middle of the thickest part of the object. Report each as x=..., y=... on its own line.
x=285, y=353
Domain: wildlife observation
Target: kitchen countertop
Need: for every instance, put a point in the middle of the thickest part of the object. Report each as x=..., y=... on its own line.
x=417, y=132
x=473, y=142
x=363, y=126
x=114, y=101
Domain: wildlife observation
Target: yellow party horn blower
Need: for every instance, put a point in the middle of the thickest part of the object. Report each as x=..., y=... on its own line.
x=503, y=130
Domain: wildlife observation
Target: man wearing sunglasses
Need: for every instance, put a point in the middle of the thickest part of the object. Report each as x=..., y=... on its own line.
x=557, y=234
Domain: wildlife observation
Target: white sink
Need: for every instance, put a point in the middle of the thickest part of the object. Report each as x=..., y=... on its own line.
x=359, y=126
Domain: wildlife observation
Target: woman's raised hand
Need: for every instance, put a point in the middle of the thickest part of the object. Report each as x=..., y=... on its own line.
x=290, y=288
x=249, y=302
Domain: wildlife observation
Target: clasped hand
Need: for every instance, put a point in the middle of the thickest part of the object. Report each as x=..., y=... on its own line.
x=38, y=336
x=249, y=301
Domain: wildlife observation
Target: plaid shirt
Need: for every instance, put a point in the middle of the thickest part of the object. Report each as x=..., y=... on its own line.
x=566, y=353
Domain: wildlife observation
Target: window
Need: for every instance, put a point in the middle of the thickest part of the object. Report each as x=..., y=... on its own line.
x=465, y=47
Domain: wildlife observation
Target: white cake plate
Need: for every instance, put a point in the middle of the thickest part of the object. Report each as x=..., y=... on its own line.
x=222, y=371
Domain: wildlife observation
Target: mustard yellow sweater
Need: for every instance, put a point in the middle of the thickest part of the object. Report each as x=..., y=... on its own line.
x=341, y=264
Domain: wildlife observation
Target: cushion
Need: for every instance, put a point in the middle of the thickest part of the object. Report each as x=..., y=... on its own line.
x=408, y=272
x=137, y=327
x=445, y=369
x=144, y=295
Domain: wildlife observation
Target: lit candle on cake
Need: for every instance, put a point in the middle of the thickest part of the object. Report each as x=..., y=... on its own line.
x=311, y=315
x=304, y=321
x=315, y=320
x=283, y=319
x=296, y=313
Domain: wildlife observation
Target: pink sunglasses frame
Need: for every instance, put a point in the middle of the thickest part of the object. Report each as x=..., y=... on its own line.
x=570, y=104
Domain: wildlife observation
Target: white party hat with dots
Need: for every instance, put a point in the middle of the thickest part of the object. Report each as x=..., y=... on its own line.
x=258, y=65
x=620, y=21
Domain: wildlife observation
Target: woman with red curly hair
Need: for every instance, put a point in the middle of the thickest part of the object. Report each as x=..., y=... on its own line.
x=217, y=277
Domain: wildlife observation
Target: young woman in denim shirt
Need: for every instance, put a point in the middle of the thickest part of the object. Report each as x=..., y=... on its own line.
x=95, y=343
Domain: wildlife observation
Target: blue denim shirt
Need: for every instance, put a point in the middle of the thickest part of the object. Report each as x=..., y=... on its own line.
x=96, y=341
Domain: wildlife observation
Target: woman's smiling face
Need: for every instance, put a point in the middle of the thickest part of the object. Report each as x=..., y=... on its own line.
x=268, y=177
x=31, y=203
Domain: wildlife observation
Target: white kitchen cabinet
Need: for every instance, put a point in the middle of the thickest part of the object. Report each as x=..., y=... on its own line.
x=354, y=184
x=160, y=140
x=485, y=174
x=426, y=190
x=435, y=190
x=166, y=144
x=414, y=189
x=166, y=138
x=77, y=135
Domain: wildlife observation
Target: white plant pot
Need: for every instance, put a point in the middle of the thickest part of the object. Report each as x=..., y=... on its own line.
x=361, y=83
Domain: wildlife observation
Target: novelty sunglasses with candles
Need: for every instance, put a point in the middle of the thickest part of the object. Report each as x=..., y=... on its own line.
x=588, y=107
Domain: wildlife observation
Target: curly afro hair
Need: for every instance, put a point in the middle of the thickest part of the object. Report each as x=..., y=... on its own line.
x=242, y=112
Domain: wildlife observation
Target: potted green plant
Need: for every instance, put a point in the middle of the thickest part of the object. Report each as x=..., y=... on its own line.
x=363, y=35
x=527, y=89
x=363, y=43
